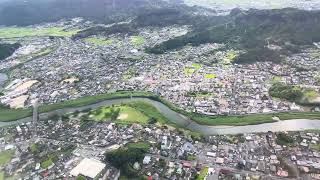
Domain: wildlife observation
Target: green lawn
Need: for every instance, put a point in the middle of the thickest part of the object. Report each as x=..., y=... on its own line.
x=189, y=71
x=127, y=115
x=196, y=66
x=137, y=40
x=15, y=32
x=210, y=76
x=203, y=173
x=34, y=148
x=45, y=164
x=149, y=110
x=6, y=156
x=299, y=115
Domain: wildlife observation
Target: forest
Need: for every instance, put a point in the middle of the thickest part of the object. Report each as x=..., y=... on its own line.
x=253, y=31
x=7, y=50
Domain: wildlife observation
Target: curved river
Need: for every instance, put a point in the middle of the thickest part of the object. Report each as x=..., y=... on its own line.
x=289, y=125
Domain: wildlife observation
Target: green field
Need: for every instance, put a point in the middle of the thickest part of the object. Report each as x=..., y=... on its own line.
x=196, y=66
x=210, y=76
x=13, y=32
x=6, y=156
x=127, y=115
x=137, y=40
x=189, y=71
x=203, y=173
x=1, y=175
x=45, y=164
x=101, y=41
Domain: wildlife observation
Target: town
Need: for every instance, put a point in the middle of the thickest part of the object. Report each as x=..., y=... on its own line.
x=199, y=79
x=69, y=147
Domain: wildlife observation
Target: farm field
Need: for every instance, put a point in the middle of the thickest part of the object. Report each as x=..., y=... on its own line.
x=16, y=32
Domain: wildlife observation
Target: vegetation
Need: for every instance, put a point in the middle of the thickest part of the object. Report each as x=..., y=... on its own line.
x=80, y=177
x=1, y=175
x=191, y=157
x=125, y=157
x=203, y=174
x=288, y=92
x=6, y=156
x=315, y=147
x=252, y=31
x=7, y=50
x=34, y=148
x=100, y=41
x=210, y=76
x=34, y=12
x=150, y=111
x=45, y=164
x=105, y=31
x=293, y=93
x=284, y=139
x=15, y=32
x=137, y=40
x=122, y=114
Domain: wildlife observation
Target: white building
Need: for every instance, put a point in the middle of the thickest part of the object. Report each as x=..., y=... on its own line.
x=88, y=167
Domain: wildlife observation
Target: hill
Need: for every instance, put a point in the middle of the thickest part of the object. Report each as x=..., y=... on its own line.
x=23, y=13
x=254, y=32
x=7, y=50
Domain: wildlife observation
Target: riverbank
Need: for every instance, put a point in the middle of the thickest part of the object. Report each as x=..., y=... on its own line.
x=15, y=114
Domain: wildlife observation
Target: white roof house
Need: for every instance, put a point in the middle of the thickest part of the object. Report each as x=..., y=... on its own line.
x=88, y=167
x=146, y=160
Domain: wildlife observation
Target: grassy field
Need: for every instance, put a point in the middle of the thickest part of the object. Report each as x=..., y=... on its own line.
x=29, y=32
x=298, y=115
x=100, y=41
x=196, y=66
x=203, y=173
x=210, y=76
x=137, y=40
x=149, y=111
x=127, y=115
x=1, y=175
x=189, y=71
x=6, y=156
x=45, y=164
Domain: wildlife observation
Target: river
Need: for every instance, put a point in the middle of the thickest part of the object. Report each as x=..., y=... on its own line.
x=288, y=125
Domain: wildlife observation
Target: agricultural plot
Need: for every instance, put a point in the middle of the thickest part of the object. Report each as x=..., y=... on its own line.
x=6, y=156
x=210, y=76
x=137, y=40
x=101, y=41
x=30, y=32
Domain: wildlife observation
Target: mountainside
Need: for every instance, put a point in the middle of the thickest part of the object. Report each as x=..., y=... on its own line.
x=19, y=12
x=7, y=50
x=158, y=17
x=255, y=31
